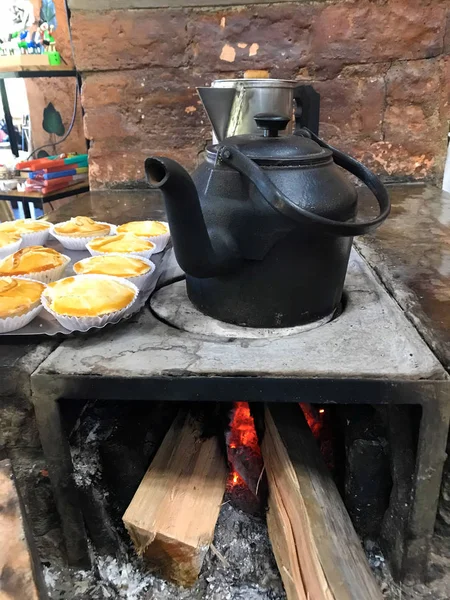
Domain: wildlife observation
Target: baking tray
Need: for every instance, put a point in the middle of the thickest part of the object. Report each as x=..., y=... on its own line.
x=46, y=325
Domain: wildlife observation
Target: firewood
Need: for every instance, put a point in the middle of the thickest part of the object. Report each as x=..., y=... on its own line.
x=173, y=514
x=20, y=568
x=318, y=552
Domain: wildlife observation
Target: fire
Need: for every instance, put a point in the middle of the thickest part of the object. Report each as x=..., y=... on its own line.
x=314, y=418
x=242, y=427
x=242, y=434
x=235, y=479
x=319, y=422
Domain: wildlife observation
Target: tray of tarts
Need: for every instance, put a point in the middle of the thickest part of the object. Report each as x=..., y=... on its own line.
x=77, y=275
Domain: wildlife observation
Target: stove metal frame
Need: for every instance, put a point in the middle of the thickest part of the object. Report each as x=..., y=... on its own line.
x=411, y=555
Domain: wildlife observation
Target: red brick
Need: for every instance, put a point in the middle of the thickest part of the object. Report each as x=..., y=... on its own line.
x=127, y=39
x=366, y=31
x=390, y=159
x=174, y=122
x=126, y=167
x=447, y=34
x=445, y=89
x=276, y=38
x=412, y=116
x=143, y=106
x=351, y=108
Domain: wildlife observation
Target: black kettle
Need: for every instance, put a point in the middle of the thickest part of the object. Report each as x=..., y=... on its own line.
x=264, y=227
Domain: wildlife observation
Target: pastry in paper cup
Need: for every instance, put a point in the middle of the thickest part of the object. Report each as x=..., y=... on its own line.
x=79, y=231
x=84, y=302
x=9, y=243
x=155, y=231
x=20, y=302
x=35, y=262
x=33, y=232
x=136, y=269
x=122, y=243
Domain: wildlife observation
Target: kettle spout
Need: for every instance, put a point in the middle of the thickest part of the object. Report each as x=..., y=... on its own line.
x=198, y=253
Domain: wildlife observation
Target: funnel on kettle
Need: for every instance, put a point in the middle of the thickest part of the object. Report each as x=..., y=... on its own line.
x=218, y=103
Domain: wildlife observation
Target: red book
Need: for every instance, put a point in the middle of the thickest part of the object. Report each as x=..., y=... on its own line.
x=40, y=163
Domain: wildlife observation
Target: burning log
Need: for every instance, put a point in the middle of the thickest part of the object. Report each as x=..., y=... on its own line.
x=246, y=482
x=20, y=568
x=316, y=547
x=173, y=514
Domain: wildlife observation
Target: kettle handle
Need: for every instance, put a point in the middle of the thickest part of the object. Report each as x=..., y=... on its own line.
x=233, y=157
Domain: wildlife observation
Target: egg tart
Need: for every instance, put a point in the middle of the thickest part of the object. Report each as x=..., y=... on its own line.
x=9, y=243
x=35, y=262
x=154, y=231
x=20, y=302
x=78, y=231
x=85, y=301
x=33, y=233
x=123, y=243
x=134, y=268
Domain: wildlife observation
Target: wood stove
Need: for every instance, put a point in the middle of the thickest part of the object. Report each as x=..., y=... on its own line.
x=370, y=354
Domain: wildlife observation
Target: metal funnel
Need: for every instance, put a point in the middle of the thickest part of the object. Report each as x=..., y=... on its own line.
x=218, y=103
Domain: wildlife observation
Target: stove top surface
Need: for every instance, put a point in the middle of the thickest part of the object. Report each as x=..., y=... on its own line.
x=371, y=339
x=172, y=306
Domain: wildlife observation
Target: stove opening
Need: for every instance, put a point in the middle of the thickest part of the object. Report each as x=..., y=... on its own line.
x=114, y=445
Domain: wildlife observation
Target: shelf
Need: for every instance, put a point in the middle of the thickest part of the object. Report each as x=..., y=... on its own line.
x=36, y=71
x=79, y=188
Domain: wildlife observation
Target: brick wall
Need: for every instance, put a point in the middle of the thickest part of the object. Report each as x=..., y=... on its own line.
x=382, y=67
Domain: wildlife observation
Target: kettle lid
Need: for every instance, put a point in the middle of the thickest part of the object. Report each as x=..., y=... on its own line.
x=269, y=147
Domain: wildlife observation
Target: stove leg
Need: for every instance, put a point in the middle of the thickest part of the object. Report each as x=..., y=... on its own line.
x=431, y=455
x=59, y=464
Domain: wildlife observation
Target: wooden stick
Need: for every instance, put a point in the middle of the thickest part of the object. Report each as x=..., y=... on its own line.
x=283, y=543
x=322, y=543
x=173, y=514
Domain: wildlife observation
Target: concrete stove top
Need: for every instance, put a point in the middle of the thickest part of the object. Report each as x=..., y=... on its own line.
x=371, y=339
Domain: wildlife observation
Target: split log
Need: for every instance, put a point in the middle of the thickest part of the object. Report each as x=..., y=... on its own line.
x=173, y=514
x=317, y=550
x=20, y=568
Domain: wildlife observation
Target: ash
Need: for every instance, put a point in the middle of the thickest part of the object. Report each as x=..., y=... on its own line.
x=437, y=587
x=239, y=566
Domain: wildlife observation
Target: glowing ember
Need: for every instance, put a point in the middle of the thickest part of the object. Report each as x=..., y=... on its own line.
x=314, y=418
x=319, y=422
x=242, y=427
x=242, y=445
x=235, y=479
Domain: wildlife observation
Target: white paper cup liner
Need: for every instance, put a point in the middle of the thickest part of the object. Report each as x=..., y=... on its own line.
x=13, y=323
x=86, y=323
x=144, y=254
x=50, y=275
x=78, y=243
x=35, y=238
x=9, y=249
x=138, y=280
x=160, y=242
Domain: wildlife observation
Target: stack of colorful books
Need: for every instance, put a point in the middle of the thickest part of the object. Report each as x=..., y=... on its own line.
x=54, y=173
